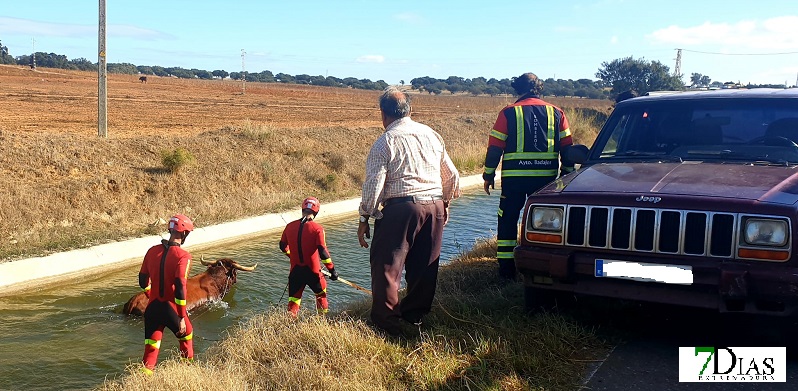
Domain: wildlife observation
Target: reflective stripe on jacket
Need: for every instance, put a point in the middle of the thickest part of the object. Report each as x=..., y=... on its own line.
x=528, y=135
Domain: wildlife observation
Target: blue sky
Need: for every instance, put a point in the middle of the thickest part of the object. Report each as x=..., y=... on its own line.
x=727, y=40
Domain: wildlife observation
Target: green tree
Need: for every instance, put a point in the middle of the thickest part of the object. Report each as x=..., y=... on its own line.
x=379, y=85
x=49, y=60
x=695, y=79
x=423, y=83
x=437, y=88
x=284, y=78
x=302, y=79
x=643, y=76
x=266, y=76
x=492, y=90
x=145, y=70
x=180, y=72
x=352, y=82
x=317, y=80
x=125, y=68
x=82, y=64
x=159, y=71
x=5, y=58
x=202, y=74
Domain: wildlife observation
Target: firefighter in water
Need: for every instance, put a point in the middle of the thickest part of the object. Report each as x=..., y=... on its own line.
x=163, y=277
x=528, y=137
x=304, y=243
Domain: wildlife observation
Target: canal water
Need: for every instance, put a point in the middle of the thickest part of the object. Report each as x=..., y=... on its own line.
x=73, y=336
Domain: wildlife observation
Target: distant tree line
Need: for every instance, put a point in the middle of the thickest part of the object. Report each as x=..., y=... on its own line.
x=52, y=60
x=583, y=88
x=614, y=77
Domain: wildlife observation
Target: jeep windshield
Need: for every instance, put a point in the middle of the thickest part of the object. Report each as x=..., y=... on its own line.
x=730, y=129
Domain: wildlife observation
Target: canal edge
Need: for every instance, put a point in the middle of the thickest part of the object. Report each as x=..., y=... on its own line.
x=37, y=272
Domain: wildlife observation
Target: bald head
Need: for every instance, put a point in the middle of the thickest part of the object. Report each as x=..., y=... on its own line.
x=394, y=103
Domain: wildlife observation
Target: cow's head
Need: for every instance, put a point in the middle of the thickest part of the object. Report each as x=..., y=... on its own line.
x=227, y=267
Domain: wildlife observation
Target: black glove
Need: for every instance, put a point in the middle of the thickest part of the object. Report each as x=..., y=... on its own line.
x=489, y=178
x=333, y=274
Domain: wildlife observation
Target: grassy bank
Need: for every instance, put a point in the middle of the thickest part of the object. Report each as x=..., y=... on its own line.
x=66, y=191
x=198, y=147
x=477, y=338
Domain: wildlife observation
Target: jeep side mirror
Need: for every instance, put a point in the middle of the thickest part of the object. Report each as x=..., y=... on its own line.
x=576, y=153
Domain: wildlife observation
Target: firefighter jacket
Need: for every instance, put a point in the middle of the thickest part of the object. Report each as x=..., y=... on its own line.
x=527, y=137
x=304, y=243
x=165, y=271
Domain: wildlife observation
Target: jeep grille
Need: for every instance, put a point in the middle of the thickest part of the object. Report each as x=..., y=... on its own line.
x=652, y=230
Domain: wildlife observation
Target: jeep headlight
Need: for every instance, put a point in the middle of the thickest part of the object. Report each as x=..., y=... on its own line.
x=547, y=219
x=766, y=232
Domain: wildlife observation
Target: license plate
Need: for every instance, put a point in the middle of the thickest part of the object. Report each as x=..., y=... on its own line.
x=646, y=272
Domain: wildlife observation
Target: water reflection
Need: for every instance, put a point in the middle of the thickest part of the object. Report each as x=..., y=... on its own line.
x=72, y=336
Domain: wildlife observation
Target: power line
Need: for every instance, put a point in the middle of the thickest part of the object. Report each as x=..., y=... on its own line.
x=739, y=54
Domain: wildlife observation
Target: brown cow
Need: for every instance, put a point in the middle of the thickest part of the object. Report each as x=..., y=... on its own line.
x=143, y=79
x=212, y=284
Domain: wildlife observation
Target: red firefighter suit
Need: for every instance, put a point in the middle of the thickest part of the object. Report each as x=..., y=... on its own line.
x=304, y=243
x=163, y=273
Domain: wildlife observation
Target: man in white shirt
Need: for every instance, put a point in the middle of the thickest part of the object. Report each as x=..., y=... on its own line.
x=410, y=174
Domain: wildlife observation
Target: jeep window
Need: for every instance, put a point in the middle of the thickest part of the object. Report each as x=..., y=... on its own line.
x=722, y=130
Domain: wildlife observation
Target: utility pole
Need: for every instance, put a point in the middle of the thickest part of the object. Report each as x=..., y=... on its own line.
x=102, y=75
x=33, y=56
x=677, y=71
x=243, y=74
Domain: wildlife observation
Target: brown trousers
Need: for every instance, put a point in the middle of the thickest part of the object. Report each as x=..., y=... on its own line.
x=408, y=237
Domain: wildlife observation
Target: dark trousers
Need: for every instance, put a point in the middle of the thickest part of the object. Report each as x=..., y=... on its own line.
x=512, y=201
x=157, y=316
x=298, y=278
x=408, y=237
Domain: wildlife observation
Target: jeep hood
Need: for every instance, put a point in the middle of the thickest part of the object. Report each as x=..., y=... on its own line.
x=775, y=184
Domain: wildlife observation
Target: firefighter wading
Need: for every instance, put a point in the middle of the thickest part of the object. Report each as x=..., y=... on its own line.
x=303, y=241
x=163, y=276
x=527, y=137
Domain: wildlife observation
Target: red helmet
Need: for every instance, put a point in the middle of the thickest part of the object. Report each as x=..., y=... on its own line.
x=181, y=223
x=311, y=203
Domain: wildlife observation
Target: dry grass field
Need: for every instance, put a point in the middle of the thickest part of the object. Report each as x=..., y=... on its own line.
x=244, y=154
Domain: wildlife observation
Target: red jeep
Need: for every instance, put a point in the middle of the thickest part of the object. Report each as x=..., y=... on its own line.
x=686, y=198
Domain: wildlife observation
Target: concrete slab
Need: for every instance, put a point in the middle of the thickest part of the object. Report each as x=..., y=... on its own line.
x=25, y=274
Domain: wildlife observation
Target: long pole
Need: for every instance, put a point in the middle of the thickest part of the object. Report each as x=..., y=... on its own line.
x=102, y=75
x=352, y=284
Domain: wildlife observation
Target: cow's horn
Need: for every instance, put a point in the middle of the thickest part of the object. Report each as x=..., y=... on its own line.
x=203, y=262
x=244, y=268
